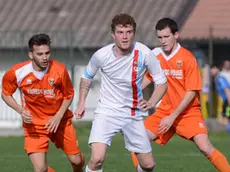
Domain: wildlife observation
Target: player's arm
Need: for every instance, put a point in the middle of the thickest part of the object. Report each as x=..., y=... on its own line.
x=53, y=123
x=160, y=80
x=83, y=90
x=9, y=86
x=11, y=102
x=187, y=99
x=68, y=93
x=146, y=81
x=192, y=85
x=64, y=106
x=168, y=121
x=85, y=83
x=157, y=94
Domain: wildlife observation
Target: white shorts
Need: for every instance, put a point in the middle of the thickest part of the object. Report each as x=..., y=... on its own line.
x=133, y=130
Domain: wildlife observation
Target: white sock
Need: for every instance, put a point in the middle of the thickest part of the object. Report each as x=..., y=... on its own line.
x=139, y=169
x=88, y=170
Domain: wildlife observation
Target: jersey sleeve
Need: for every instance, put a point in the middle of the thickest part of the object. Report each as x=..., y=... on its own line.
x=156, y=73
x=9, y=83
x=66, y=85
x=92, y=67
x=192, y=75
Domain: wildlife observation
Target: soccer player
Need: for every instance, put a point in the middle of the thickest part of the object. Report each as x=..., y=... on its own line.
x=179, y=110
x=46, y=93
x=122, y=65
x=225, y=71
x=223, y=89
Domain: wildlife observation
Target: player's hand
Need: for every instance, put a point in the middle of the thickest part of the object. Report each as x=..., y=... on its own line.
x=80, y=111
x=26, y=116
x=165, y=124
x=144, y=105
x=53, y=123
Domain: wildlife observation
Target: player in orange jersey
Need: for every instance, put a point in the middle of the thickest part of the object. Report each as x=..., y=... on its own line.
x=46, y=93
x=179, y=111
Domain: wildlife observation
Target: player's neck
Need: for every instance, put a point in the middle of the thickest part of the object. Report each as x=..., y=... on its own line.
x=168, y=53
x=121, y=52
x=37, y=68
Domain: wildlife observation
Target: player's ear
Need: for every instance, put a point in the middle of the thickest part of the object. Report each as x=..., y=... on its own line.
x=30, y=55
x=176, y=35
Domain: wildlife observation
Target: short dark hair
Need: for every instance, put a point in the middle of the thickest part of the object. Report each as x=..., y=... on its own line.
x=167, y=22
x=39, y=39
x=216, y=66
x=124, y=20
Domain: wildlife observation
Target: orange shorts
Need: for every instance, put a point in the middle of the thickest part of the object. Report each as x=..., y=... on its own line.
x=37, y=138
x=186, y=126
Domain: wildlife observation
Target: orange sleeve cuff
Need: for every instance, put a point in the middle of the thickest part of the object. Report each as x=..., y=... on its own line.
x=7, y=93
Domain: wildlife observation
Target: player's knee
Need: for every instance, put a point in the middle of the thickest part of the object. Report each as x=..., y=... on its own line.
x=148, y=166
x=41, y=168
x=205, y=149
x=203, y=143
x=76, y=159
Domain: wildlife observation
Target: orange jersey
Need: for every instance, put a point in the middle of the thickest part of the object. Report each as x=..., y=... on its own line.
x=182, y=72
x=42, y=93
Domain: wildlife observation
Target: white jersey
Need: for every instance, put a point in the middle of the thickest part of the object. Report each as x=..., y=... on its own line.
x=121, y=77
x=226, y=74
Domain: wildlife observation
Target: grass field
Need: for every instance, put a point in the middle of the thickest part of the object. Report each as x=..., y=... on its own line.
x=178, y=155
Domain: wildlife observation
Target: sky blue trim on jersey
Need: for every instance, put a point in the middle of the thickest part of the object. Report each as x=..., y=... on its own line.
x=138, y=81
x=138, y=112
x=87, y=75
x=223, y=81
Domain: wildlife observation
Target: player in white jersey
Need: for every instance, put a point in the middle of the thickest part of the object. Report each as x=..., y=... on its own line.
x=121, y=106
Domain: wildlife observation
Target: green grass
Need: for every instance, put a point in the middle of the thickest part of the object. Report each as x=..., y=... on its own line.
x=178, y=155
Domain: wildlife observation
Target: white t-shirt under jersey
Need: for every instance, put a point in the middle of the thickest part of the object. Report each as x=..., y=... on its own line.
x=121, y=78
